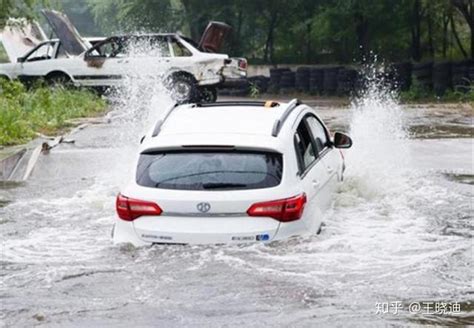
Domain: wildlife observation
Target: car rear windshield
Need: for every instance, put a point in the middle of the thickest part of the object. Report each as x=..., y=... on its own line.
x=209, y=170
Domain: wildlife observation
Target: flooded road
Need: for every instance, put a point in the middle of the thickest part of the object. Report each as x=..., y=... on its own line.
x=400, y=233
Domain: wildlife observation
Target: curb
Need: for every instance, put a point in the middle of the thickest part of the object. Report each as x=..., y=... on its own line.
x=9, y=164
x=18, y=162
x=18, y=165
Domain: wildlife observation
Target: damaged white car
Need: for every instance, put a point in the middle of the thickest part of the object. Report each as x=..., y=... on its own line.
x=192, y=71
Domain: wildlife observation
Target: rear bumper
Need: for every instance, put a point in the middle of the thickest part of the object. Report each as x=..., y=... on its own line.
x=232, y=69
x=195, y=230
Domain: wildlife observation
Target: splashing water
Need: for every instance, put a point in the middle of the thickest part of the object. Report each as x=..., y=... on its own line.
x=379, y=160
x=385, y=239
x=141, y=97
x=138, y=101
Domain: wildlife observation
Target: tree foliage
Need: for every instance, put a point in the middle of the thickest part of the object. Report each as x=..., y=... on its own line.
x=17, y=8
x=299, y=31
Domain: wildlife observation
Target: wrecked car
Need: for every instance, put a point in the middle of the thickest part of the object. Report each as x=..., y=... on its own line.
x=192, y=71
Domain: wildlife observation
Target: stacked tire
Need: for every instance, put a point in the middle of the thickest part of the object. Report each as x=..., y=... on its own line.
x=441, y=78
x=259, y=82
x=287, y=82
x=422, y=74
x=346, y=81
x=460, y=76
x=330, y=80
x=316, y=81
x=237, y=87
x=401, y=73
x=470, y=70
x=302, y=79
x=275, y=77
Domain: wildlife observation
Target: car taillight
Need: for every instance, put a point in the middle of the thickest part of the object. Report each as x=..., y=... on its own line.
x=283, y=210
x=129, y=209
x=242, y=64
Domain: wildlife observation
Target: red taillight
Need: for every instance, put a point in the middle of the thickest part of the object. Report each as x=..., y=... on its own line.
x=284, y=210
x=129, y=209
x=242, y=64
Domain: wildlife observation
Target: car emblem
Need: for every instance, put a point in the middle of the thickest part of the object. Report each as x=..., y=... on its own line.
x=203, y=207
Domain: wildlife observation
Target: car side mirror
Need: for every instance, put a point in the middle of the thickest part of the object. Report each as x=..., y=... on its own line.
x=342, y=140
x=20, y=59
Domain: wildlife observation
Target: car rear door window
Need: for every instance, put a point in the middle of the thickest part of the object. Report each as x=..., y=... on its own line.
x=179, y=50
x=304, y=147
x=209, y=170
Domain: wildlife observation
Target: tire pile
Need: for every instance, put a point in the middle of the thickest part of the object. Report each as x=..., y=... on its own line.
x=346, y=81
x=275, y=78
x=302, y=79
x=441, y=78
x=259, y=82
x=462, y=73
x=438, y=77
x=330, y=80
x=287, y=82
x=236, y=88
x=401, y=75
x=423, y=75
x=316, y=79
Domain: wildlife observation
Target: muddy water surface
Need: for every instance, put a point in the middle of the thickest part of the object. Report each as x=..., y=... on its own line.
x=400, y=232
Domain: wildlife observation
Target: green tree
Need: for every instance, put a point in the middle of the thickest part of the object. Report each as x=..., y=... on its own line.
x=18, y=8
x=307, y=31
x=465, y=8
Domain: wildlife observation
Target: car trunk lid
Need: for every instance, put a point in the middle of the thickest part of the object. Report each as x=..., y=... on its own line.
x=214, y=36
x=202, y=217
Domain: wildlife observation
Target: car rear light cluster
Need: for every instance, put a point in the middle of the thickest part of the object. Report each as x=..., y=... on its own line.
x=129, y=209
x=283, y=210
x=242, y=64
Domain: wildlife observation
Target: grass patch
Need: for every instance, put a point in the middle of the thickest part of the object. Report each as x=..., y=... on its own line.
x=3, y=55
x=41, y=109
x=417, y=94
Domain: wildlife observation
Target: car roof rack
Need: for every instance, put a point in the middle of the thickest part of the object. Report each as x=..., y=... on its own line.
x=268, y=104
x=159, y=124
x=279, y=122
x=253, y=103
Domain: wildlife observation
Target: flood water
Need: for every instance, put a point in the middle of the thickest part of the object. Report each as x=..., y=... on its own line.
x=400, y=232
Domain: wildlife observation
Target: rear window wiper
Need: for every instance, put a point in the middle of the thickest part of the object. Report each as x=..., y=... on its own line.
x=223, y=185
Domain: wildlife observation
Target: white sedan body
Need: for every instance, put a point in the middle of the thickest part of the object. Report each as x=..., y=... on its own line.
x=90, y=70
x=231, y=147
x=96, y=62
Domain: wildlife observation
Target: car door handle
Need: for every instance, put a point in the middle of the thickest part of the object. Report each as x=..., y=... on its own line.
x=315, y=184
x=122, y=61
x=330, y=169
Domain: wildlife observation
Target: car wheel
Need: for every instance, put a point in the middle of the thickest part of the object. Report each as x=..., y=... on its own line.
x=208, y=95
x=59, y=80
x=183, y=89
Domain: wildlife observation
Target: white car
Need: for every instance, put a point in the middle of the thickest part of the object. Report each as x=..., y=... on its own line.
x=192, y=71
x=231, y=172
